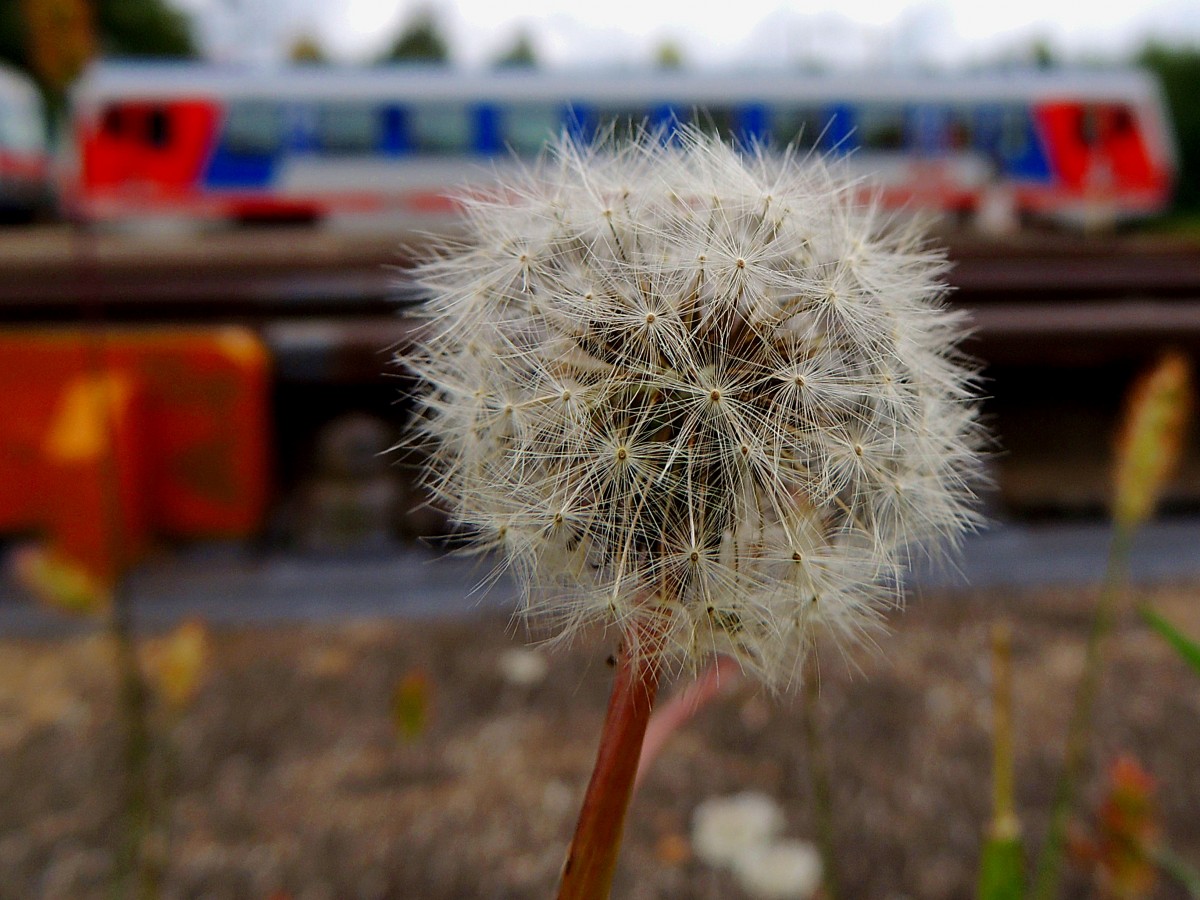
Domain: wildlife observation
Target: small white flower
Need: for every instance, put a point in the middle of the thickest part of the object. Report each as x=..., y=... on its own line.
x=783, y=870
x=523, y=668
x=725, y=828
x=706, y=395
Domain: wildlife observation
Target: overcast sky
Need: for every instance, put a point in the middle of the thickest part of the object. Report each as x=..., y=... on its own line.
x=742, y=32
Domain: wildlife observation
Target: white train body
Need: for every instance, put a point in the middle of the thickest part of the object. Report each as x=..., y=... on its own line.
x=194, y=141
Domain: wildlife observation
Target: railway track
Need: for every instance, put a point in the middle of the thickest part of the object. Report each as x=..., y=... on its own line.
x=1061, y=326
x=1032, y=297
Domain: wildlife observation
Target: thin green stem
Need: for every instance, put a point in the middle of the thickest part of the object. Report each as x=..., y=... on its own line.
x=1179, y=870
x=1001, y=868
x=1049, y=867
x=818, y=774
x=1003, y=807
x=131, y=877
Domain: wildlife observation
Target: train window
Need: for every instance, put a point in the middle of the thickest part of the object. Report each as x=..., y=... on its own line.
x=960, y=132
x=624, y=122
x=158, y=127
x=1121, y=122
x=527, y=127
x=1089, y=126
x=22, y=127
x=880, y=127
x=253, y=128
x=719, y=121
x=440, y=130
x=112, y=121
x=801, y=126
x=348, y=129
x=1014, y=132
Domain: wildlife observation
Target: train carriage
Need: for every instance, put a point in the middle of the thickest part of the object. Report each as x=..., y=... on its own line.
x=197, y=142
x=24, y=157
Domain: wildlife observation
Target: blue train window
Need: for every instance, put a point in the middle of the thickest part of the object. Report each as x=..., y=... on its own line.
x=441, y=130
x=801, y=126
x=624, y=122
x=719, y=121
x=960, y=129
x=348, y=129
x=527, y=126
x=1014, y=132
x=254, y=128
x=741, y=124
x=881, y=127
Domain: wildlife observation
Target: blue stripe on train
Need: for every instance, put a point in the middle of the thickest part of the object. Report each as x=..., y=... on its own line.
x=237, y=170
x=241, y=167
x=753, y=125
x=1010, y=138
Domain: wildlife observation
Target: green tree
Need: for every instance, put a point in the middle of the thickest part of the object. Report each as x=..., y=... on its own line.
x=420, y=40
x=668, y=55
x=1042, y=55
x=59, y=41
x=1178, y=70
x=12, y=35
x=123, y=28
x=521, y=55
x=307, y=50
x=152, y=28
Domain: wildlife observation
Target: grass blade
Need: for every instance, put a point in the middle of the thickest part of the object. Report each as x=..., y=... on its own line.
x=1188, y=649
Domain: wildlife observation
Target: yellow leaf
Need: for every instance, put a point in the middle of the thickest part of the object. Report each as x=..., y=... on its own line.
x=1151, y=438
x=178, y=663
x=60, y=582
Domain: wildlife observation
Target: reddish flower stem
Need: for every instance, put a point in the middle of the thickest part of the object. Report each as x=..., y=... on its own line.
x=592, y=859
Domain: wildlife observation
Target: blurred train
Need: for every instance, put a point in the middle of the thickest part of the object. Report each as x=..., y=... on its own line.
x=193, y=142
x=24, y=157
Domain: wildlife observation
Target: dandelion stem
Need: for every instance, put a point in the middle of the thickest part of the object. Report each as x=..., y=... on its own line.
x=592, y=859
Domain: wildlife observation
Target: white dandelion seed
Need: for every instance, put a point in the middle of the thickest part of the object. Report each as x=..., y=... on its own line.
x=700, y=390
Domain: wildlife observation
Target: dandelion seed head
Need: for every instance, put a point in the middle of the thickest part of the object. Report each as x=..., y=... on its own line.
x=698, y=392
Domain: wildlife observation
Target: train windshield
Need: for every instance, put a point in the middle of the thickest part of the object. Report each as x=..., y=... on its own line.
x=254, y=128
x=20, y=127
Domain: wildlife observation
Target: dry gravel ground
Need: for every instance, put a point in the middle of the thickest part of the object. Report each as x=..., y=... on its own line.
x=294, y=782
